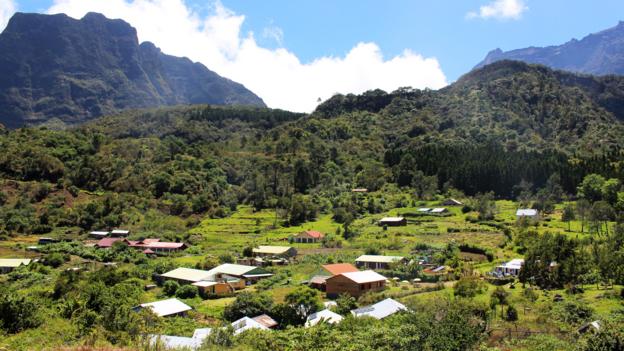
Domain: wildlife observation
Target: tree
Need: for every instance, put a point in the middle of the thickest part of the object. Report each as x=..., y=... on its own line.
x=302, y=302
x=499, y=297
x=582, y=208
x=187, y=292
x=512, y=314
x=610, y=190
x=601, y=212
x=568, y=214
x=170, y=287
x=18, y=312
x=248, y=304
x=468, y=287
x=485, y=205
x=591, y=187
x=345, y=303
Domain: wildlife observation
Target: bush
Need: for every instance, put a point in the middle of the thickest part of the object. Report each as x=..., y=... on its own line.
x=18, y=312
x=170, y=287
x=187, y=292
x=512, y=314
x=468, y=287
x=54, y=259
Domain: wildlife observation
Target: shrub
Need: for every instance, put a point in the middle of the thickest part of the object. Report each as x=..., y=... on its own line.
x=187, y=292
x=170, y=287
x=468, y=287
x=512, y=314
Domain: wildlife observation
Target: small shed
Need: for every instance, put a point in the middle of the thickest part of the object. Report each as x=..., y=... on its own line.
x=527, y=213
x=119, y=233
x=439, y=210
x=266, y=320
x=377, y=261
x=274, y=251
x=452, y=202
x=393, y=221
x=9, y=264
x=246, y=323
x=98, y=234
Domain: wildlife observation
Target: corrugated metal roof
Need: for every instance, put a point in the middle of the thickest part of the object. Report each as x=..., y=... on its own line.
x=14, y=262
x=167, y=307
x=325, y=315
x=392, y=219
x=364, y=276
x=380, y=310
x=246, y=323
x=188, y=274
x=171, y=342
x=526, y=212
x=265, y=320
x=274, y=250
x=438, y=210
x=378, y=258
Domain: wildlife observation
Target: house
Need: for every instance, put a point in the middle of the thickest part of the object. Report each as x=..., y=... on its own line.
x=187, y=275
x=510, y=268
x=148, y=246
x=274, y=251
x=452, y=202
x=380, y=310
x=377, y=261
x=318, y=282
x=220, y=288
x=435, y=270
x=359, y=190
x=98, y=234
x=170, y=342
x=393, y=221
x=266, y=320
x=9, y=264
x=354, y=283
x=338, y=268
x=165, y=308
x=308, y=236
x=119, y=233
x=324, y=316
x=423, y=210
x=246, y=323
x=527, y=213
x=229, y=270
x=439, y=210
x=594, y=326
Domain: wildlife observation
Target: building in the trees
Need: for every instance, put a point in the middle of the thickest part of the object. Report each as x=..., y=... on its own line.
x=354, y=283
x=378, y=261
x=153, y=245
x=308, y=236
x=452, y=202
x=246, y=323
x=274, y=251
x=359, y=190
x=393, y=221
x=380, y=310
x=119, y=233
x=439, y=210
x=99, y=234
x=527, y=214
x=266, y=320
x=512, y=267
x=166, y=308
x=9, y=264
x=324, y=316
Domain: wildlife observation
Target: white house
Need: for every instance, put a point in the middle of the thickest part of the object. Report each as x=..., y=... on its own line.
x=527, y=213
x=164, y=308
x=246, y=323
x=171, y=342
x=511, y=268
x=326, y=316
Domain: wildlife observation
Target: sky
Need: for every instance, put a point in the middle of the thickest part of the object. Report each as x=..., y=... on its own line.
x=295, y=53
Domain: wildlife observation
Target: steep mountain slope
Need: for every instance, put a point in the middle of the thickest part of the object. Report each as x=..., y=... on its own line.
x=56, y=67
x=600, y=53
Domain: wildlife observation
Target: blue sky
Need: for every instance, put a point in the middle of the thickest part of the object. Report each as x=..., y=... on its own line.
x=440, y=29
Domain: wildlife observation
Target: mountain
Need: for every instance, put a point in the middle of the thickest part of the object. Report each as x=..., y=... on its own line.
x=599, y=54
x=57, y=68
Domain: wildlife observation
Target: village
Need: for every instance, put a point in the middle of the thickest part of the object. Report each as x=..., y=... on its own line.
x=407, y=254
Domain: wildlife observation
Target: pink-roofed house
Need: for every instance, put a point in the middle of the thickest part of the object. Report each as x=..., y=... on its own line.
x=308, y=236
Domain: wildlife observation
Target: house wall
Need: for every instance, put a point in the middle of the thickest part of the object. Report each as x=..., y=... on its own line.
x=372, y=265
x=394, y=223
x=339, y=284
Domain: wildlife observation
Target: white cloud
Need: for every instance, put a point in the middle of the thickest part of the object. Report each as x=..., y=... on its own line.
x=500, y=9
x=7, y=9
x=276, y=75
x=275, y=33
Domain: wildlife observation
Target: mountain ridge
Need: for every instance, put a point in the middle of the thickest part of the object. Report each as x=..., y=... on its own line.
x=599, y=53
x=72, y=70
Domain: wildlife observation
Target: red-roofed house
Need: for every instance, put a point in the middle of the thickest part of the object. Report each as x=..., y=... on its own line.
x=107, y=242
x=308, y=236
x=339, y=268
